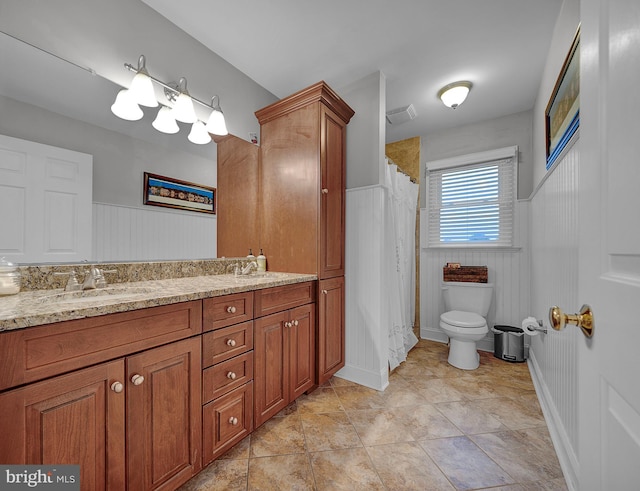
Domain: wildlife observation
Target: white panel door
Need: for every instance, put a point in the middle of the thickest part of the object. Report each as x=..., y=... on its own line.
x=45, y=198
x=609, y=277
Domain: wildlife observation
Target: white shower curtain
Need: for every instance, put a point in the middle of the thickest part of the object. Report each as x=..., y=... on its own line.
x=402, y=198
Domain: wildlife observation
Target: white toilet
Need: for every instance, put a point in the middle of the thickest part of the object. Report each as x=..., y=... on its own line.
x=464, y=321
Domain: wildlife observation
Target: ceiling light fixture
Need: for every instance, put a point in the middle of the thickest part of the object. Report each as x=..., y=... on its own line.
x=179, y=106
x=454, y=94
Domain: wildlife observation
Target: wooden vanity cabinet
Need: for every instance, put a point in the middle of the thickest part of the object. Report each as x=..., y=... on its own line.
x=331, y=335
x=71, y=419
x=287, y=196
x=164, y=421
x=284, y=347
x=227, y=379
x=303, y=179
x=132, y=420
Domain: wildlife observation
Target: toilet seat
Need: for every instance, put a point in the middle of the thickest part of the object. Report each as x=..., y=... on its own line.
x=462, y=319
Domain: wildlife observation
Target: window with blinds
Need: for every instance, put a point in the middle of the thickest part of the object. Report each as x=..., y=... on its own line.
x=472, y=204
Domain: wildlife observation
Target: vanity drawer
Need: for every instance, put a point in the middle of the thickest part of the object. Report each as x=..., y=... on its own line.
x=223, y=377
x=226, y=343
x=227, y=310
x=226, y=421
x=39, y=352
x=279, y=298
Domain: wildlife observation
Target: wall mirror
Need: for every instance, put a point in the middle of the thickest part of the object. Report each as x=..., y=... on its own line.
x=40, y=93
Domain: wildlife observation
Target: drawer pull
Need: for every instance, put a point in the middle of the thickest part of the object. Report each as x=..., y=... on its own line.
x=137, y=379
x=295, y=323
x=231, y=342
x=117, y=387
x=287, y=324
x=231, y=309
x=231, y=375
x=233, y=421
x=324, y=292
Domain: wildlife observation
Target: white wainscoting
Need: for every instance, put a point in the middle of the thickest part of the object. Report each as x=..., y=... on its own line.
x=123, y=233
x=508, y=271
x=554, y=281
x=367, y=338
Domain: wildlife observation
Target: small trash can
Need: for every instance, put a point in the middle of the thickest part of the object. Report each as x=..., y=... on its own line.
x=508, y=343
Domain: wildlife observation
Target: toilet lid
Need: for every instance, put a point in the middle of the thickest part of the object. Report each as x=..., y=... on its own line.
x=463, y=319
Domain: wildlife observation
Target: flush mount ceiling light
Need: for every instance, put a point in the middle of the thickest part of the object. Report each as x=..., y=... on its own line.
x=454, y=94
x=178, y=107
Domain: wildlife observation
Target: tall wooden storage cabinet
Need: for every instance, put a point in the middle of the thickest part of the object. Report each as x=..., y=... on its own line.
x=298, y=219
x=302, y=214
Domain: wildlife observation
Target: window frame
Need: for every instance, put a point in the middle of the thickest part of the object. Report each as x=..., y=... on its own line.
x=468, y=160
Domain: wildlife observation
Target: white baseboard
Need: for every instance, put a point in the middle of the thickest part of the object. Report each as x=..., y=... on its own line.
x=368, y=378
x=559, y=437
x=433, y=334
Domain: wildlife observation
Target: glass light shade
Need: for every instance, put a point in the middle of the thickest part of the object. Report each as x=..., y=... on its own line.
x=125, y=107
x=198, y=134
x=183, y=110
x=164, y=121
x=216, y=123
x=454, y=94
x=142, y=90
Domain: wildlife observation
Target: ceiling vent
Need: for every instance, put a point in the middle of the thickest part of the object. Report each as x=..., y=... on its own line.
x=401, y=115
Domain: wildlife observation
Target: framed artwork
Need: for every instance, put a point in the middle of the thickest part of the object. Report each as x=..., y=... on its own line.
x=562, y=116
x=174, y=193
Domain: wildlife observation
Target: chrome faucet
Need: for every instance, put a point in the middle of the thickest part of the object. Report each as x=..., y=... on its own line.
x=72, y=283
x=93, y=279
x=250, y=265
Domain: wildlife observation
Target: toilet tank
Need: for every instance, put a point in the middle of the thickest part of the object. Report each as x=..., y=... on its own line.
x=468, y=297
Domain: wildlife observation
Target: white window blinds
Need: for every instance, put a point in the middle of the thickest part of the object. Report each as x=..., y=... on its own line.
x=472, y=205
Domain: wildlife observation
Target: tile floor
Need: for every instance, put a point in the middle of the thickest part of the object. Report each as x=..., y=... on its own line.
x=434, y=428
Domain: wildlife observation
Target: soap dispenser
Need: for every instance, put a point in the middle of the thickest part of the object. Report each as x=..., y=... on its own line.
x=262, y=262
x=250, y=256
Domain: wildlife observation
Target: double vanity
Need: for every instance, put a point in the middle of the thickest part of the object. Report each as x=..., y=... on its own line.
x=147, y=380
x=144, y=383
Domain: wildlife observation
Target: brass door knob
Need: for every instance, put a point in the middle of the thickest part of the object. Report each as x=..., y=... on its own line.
x=583, y=319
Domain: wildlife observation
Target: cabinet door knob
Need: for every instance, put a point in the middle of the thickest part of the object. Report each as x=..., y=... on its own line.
x=231, y=309
x=324, y=292
x=137, y=379
x=295, y=323
x=287, y=324
x=325, y=191
x=233, y=421
x=117, y=387
x=231, y=342
x=231, y=375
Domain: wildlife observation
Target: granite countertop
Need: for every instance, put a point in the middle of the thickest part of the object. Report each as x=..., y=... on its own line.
x=38, y=307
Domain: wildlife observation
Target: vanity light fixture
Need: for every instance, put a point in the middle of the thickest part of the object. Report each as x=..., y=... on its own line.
x=125, y=107
x=454, y=94
x=179, y=106
x=215, y=123
x=165, y=122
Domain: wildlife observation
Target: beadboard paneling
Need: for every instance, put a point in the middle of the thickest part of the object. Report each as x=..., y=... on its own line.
x=508, y=271
x=554, y=281
x=123, y=233
x=366, y=343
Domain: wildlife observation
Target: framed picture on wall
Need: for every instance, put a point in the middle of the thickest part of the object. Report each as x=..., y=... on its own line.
x=562, y=116
x=174, y=193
